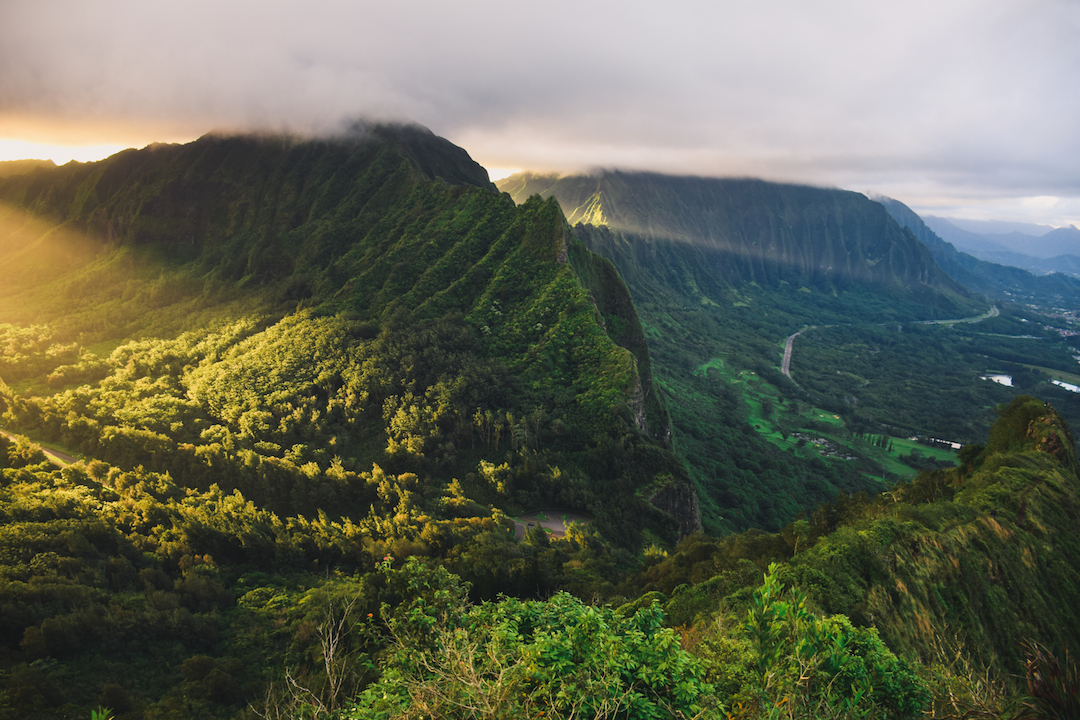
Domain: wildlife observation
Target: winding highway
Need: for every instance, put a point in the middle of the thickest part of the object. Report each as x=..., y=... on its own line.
x=785, y=366
x=789, y=344
x=991, y=313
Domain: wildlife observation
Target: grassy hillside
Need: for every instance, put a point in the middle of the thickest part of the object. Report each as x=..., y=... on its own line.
x=955, y=569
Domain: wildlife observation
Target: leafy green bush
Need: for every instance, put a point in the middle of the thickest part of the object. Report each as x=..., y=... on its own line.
x=557, y=658
x=821, y=667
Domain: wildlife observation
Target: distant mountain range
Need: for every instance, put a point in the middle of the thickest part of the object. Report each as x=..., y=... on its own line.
x=996, y=279
x=1000, y=227
x=1036, y=248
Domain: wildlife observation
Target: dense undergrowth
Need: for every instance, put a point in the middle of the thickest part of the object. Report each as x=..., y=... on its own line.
x=886, y=607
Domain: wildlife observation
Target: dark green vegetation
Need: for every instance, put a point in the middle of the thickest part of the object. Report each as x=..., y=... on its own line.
x=925, y=379
x=134, y=593
x=722, y=271
x=311, y=382
x=359, y=336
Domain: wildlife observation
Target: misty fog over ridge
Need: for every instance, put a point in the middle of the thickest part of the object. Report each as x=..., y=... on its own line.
x=841, y=93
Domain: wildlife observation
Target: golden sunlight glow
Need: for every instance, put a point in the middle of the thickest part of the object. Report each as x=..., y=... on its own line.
x=35, y=137
x=11, y=149
x=495, y=174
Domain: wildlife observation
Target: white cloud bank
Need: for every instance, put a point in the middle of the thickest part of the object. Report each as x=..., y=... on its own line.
x=969, y=105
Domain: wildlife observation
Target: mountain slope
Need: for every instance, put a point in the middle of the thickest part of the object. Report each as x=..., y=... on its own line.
x=979, y=548
x=21, y=167
x=722, y=271
x=423, y=307
x=954, y=570
x=746, y=231
x=997, y=281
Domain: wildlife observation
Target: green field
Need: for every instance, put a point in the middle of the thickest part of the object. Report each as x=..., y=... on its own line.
x=782, y=422
x=1057, y=374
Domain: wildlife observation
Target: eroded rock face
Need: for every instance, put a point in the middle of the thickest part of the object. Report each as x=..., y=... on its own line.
x=744, y=230
x=1052, y=435
x=680, y=500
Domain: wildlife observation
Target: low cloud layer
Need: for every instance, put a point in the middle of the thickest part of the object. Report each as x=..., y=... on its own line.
x=964, y=104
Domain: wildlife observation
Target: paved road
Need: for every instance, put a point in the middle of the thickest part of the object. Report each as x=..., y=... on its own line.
x=553, y=520
x=54, y=456
x=785, y=366
x=789, y=344
x=991, y=313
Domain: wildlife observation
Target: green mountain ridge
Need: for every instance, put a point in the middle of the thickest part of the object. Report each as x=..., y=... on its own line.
x=366, y=230
x=313, y=380
x=21, y=167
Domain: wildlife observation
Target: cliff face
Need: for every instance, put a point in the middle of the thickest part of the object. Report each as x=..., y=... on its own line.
x=680, y=500
x=616, y=310
x=751, y=231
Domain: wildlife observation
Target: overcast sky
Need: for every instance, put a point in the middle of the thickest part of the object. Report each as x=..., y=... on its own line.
x=967, y=108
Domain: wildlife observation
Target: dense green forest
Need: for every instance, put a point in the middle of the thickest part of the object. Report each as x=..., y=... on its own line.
x=927, y=379
x=722, y=271
x=125, y=590
x=320, y=395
